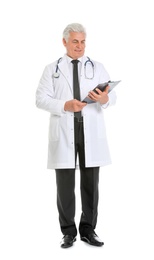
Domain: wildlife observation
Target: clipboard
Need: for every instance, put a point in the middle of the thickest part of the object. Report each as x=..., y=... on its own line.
x=102, y=87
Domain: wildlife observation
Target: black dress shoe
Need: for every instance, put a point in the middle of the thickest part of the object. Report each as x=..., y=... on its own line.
x=67, y=241
x=92, y=239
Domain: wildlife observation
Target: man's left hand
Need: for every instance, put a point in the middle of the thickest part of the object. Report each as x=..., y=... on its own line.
x=101, y=97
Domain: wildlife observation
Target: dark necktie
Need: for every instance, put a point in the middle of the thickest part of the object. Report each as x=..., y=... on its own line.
x=76, y=88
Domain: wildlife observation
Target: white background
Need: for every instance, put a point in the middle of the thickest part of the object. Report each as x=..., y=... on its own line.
x=120, y=35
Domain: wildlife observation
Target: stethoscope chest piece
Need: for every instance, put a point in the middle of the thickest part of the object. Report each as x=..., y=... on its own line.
x=56, y=75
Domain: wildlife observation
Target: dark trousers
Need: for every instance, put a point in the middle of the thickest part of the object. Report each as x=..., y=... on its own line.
x=89, y=179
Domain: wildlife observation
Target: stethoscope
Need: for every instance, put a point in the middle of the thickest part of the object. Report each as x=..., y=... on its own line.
x=56, y=74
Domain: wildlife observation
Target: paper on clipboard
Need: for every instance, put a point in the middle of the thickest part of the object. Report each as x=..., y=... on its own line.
x=102, y=87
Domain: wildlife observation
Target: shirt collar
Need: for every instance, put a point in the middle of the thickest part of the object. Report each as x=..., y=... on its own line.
x=70, y=59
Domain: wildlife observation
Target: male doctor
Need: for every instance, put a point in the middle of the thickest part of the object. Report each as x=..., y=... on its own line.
x=76, y=141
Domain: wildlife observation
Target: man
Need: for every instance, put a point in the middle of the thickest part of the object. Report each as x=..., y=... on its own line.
x=77, y=135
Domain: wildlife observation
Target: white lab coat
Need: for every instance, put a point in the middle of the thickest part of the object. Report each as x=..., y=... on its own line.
x=51, y=95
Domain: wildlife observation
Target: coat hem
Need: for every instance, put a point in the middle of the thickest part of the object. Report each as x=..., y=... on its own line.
x=77, y=166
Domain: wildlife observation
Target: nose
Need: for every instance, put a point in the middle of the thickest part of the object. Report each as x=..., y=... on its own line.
x=79, y=45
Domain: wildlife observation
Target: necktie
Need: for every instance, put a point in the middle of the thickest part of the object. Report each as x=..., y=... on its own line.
x=76, y=88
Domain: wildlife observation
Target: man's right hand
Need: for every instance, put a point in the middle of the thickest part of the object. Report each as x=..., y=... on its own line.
x=74, y=105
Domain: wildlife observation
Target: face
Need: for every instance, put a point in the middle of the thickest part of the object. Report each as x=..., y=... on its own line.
x=75, y=46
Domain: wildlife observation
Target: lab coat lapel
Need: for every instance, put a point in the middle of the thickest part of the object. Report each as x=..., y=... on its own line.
x=64, y=70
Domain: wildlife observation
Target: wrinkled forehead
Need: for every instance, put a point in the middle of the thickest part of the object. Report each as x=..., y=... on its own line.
x=78, y=36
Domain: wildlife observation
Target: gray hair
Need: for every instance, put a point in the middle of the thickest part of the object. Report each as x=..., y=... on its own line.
x=73, y=27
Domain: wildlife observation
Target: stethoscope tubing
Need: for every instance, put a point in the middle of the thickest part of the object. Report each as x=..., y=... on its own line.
x=56, y=73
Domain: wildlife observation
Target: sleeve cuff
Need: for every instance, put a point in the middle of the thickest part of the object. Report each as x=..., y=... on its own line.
x=105, y=105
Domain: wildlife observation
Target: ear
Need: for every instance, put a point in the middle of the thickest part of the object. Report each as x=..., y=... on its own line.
x=64, y=42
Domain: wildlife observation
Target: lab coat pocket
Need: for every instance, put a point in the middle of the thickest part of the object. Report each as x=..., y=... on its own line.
x=54, y=128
